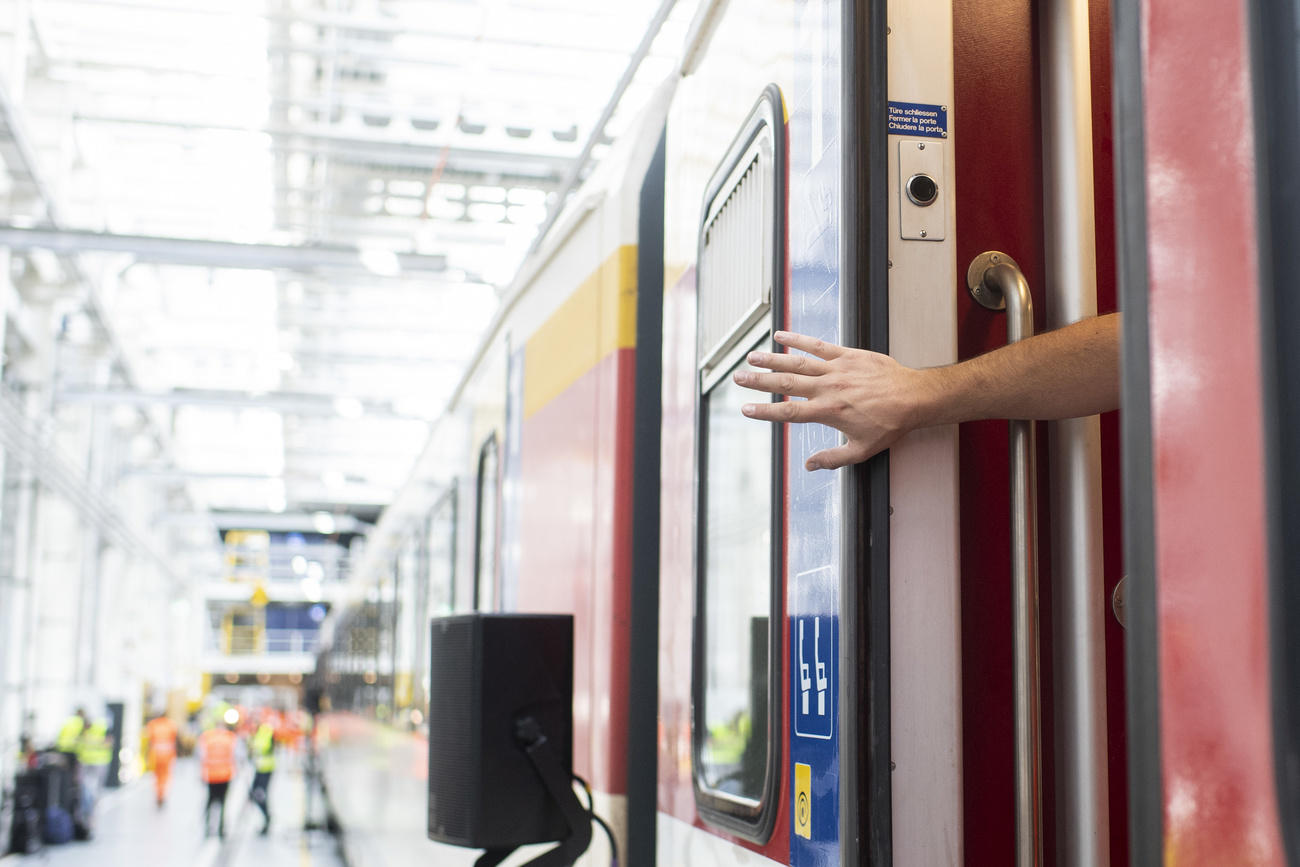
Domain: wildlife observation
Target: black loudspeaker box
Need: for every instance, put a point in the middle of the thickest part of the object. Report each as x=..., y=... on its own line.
x=488, y=672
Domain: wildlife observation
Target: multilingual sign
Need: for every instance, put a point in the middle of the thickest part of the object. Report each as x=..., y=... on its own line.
x=918, y=119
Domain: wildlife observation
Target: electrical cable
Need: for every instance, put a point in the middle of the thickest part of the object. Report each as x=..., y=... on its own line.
x=591, y=811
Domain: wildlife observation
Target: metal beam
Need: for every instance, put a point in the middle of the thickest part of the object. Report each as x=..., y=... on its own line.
x=519, y=161
x=368, y=24
x=598, y=130
x=178, y=474
x=206, y=253
x=23, y=440
x=286, y=402
x=288, y=522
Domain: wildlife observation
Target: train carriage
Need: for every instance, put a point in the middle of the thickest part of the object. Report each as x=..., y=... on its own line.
x=812, y=668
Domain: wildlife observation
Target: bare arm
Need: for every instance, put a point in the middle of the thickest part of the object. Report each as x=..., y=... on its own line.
x=873, y=400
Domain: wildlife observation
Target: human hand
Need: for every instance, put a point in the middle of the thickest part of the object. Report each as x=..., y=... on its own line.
x=870, y=398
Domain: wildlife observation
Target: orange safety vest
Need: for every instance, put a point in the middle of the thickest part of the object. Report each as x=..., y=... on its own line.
x=162, y=738
x=218, y=748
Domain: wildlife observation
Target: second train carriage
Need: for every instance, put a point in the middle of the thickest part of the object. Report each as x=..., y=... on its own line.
x=776, y=666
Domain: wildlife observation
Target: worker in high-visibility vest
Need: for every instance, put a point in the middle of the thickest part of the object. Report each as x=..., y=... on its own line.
x=261, y=748
x=161, y=733
x=217, y=764
x=94, y=752
x=70, y=732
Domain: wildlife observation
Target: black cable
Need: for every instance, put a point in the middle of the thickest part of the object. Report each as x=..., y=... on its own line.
x=591, y=811
x=586, y=788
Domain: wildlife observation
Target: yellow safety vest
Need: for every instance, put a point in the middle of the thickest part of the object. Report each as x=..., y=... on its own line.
x=264, y=749
x=93, y=748
x=70, y=734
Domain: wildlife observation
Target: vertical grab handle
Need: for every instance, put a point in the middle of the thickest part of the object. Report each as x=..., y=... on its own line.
x=996, y=282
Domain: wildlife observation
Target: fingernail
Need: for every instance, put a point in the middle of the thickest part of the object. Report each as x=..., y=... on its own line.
x=812, y=465
x=755, y=358
x=780, y=335
x=747, y=409
x=741, y=376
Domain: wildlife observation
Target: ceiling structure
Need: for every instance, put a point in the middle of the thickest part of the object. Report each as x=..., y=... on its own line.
x=275, y=229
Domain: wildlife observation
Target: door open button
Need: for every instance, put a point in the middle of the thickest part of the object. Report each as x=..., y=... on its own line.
x=922, y=190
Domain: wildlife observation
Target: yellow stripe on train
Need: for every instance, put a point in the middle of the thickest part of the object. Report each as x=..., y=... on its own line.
x=597, y=319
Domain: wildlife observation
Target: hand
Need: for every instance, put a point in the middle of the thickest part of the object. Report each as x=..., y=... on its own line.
x=870, y=398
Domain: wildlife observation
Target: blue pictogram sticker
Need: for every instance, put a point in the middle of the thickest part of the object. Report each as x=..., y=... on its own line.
x=815, y=649
x=918, y=119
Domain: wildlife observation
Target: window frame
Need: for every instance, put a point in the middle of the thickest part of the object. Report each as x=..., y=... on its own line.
x=1275, y=67
x=449, y=505
x=753, y=821
x=489, y=447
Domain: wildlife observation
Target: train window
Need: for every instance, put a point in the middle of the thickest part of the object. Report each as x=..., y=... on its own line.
x=485, y=526
x=442, y=553
x=737, y=685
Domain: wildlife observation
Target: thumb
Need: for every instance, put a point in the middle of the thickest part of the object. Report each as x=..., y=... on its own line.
x=840, y=456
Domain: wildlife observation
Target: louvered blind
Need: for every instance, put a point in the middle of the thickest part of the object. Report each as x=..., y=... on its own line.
x=735, y=282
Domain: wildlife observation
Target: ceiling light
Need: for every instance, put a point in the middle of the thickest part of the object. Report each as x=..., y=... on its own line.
x=299, y=564
x=349, y=407
x=495, y=195
x=323, y=522
x=400, y=187
x=379, y=261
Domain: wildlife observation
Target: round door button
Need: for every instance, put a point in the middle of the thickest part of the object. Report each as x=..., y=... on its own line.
x=922, y=190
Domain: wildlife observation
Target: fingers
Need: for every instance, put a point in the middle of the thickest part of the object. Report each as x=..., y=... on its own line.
x=819, y=348
x=840, y=456
x=781, y=361
x=785, y=410
x=776, y=383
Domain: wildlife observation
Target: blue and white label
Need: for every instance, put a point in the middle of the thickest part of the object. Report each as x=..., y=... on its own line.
x=918, y=119
x=815, y=701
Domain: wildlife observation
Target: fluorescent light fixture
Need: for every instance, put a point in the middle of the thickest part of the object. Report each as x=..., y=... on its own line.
x=381, y=262
x=323, y=522
x=299, y=564
x=311, y=589
x=349, y=407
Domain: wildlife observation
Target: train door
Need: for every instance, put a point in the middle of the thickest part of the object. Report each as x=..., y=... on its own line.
x=1210, y=200
x=1037, y=185
x=997, y=141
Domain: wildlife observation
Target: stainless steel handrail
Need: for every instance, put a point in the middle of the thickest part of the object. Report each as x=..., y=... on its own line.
x=1078, y=655
x=996, y=282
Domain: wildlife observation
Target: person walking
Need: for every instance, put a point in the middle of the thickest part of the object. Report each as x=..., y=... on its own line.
x=262, y=749
x=217, y=764
x=94, y=753
x=161, y=733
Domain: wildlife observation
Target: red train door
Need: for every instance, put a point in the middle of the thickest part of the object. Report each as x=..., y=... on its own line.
x=1208, y=168
x=1034, y=180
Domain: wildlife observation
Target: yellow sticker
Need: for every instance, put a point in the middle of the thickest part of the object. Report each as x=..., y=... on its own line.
x=803, y=800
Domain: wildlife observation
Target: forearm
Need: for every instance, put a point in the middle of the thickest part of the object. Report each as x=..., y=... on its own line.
x=1066, y=373
x=873, y=400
